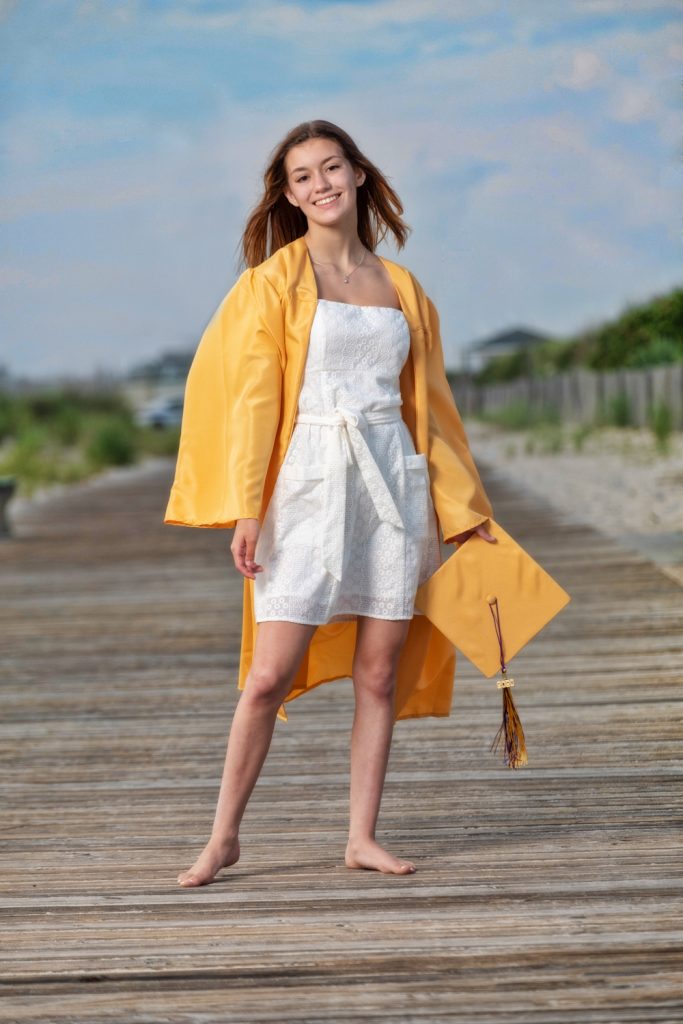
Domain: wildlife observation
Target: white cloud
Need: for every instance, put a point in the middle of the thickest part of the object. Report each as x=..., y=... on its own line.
x=631, y=104
x=281, y=19
x=618, y=7
x=543, y=238
x=586, y=70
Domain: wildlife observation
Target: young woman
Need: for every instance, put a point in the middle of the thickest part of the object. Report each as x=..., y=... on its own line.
x=319, y=423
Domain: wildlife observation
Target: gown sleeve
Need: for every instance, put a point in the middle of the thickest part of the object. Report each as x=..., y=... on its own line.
x=460, y=500
x=231, y=409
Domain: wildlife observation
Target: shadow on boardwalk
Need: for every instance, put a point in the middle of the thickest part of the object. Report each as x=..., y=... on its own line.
x=550, y=894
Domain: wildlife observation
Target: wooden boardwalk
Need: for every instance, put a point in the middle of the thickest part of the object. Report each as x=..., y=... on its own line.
x=550, y=894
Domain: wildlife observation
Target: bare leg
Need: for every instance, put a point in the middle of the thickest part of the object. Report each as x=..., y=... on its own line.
x=378, y=646
x=278, y=651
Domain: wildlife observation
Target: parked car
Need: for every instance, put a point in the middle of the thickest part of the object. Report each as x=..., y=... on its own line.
x=163, y=412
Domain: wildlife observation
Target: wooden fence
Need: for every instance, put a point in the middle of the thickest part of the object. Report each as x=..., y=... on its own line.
x=580, y=394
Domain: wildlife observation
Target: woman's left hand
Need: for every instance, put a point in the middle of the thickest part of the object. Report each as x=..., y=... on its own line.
x=481, y=530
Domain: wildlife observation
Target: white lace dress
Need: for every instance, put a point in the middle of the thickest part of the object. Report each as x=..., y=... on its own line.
x=350, y=528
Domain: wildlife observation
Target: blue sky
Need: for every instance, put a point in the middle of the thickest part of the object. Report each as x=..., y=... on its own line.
x=536, y=147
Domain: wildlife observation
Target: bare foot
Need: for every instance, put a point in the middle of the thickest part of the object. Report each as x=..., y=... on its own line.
x=367, y=853
x=214, y=856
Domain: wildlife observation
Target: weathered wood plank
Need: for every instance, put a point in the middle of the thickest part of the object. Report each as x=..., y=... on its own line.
x=552, y=894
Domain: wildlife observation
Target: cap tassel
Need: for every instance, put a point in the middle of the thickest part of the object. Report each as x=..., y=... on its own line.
x=511, y=726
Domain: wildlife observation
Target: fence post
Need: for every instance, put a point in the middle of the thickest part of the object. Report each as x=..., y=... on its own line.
x=8, y=486
x=584, y=394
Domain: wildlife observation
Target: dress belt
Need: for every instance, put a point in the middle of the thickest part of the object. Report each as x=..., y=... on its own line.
x=349, y=441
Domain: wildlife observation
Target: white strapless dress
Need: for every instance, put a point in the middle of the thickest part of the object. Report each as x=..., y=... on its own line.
x=350, y=528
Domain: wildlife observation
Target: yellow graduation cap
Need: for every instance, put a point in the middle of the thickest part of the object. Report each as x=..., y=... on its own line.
x=490, y=599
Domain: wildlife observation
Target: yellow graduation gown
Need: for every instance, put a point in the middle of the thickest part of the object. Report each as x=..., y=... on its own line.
x=241, y=400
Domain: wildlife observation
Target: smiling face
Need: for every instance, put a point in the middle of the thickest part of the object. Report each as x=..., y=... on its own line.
x=321, y=181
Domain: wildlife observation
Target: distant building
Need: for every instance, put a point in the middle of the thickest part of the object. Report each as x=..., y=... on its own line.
x=158, y=379
x=479, y=353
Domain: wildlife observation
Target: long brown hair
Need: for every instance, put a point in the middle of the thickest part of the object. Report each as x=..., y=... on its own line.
x=274, y=222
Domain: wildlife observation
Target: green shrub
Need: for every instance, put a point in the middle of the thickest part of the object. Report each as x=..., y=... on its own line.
x=550, y=438
x=505, y=367
x=113, y=443
x=520, y=414
x=34, y=460
x=542, y=360
x=516, y=415
x=616, y=411
x=47, y=405
x=63, y=435
x=647, y=334
x=656, y=352
x=579, y=435
x=15, y=416
x=661, y=422
x=155, y=441
x=640, y=332
x=67, y=425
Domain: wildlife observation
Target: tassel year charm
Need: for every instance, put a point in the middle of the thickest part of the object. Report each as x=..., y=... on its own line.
x=511, y=726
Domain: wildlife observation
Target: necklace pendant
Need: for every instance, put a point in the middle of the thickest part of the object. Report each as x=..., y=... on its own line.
x=346, y=280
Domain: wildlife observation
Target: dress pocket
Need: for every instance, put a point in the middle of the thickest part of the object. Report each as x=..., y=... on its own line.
x=417, y=494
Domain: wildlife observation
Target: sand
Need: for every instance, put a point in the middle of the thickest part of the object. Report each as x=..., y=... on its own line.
x=618, y=482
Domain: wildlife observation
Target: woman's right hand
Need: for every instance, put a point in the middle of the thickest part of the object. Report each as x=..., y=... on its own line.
x=244, y=545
